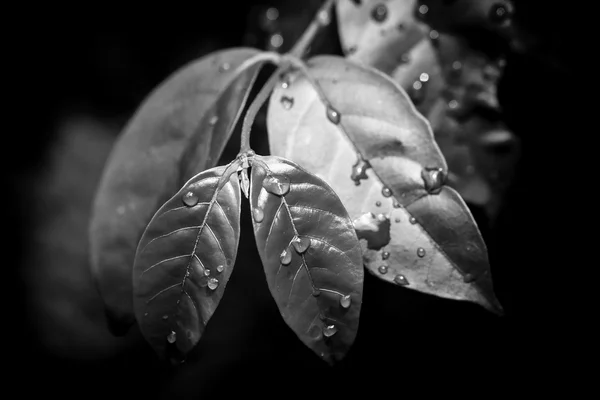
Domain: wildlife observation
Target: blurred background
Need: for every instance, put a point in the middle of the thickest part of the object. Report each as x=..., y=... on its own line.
x=87, y=70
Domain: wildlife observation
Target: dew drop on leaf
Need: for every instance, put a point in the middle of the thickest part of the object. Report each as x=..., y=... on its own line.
x=421, y=252
x=381, y=217
x=213, y=120
x=397, y=219
x=285, y=257
x=345, y=301
x=412, y=220
x=301, y=244
x=220, y=268
x=400, y=280
x=278, y=185
x=424, y=77
x=383, y=269
x=330, y=330
x=385, y=255
x=207, y=272
x=453, y=104
x=316, y=292
x=423, y=10
x=433, y=178
x=434, y=35
x=386, y=191
x=190, y=199
x=224, y=67
x=172, y=337
x=378, y=203
x=258, y=214
x=315, y=332
x=379, y=13
x=287, y=102
x=213, y=283
x=359, y=171
x=333, y=115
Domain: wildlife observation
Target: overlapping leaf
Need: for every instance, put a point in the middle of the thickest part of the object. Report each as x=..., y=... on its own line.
x=415, y=232
x=184, y=260
x=310, y=252
x=192, y=112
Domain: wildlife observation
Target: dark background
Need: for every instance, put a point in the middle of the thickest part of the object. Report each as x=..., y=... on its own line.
x=88, y=69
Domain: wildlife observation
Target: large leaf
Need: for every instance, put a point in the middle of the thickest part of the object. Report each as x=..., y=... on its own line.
x=414, y=230
x=310, y=252
x=184, y=261
x=192, y=111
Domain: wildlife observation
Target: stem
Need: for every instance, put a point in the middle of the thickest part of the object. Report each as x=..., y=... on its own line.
x=309, y=34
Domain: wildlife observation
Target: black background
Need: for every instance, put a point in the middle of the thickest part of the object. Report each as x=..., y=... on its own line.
x=104, y=61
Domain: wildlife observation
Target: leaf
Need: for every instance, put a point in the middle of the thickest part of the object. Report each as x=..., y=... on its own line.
x=179, y=130
x=310, y=253
x=184, y=260
x=401, y=173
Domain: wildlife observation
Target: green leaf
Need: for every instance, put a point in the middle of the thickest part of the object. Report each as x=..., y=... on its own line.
x=185, y=259
x=310, y=252
x=399, y=176
x=179, y=130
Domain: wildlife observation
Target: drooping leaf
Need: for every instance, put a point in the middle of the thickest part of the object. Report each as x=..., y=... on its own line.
x=184, y=260
x=179, y=130
x=310, y=252
x=398, y=177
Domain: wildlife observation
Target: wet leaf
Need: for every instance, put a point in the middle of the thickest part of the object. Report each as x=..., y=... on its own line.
x=179, y=130
x=403, y=177
x=310, y=253
x=184, y=260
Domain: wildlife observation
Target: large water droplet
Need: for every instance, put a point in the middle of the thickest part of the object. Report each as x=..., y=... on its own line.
x=412, y=220
x=333, y=115
x=301, y=244
x=323, y=17
x=359, y=171
x=315, y=332
x=258, y=215
x=285, y=257
x=383, y=269
x=421, y=252
x=330, y=330
x=220, y=268
x=287, y=102
x=345, y=301
x=434, y=179
x=224, y=67
x=385, y=255
x=213, y=283
x=190, y=199
x=278, y=185
x=400, y=280
x=172, y=337
x=386, y=191
x=379, y=13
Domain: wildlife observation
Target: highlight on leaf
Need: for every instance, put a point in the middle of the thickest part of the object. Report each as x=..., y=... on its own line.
x=184, y=260
x=382, y=161
x=180, y=129
x=310, y=253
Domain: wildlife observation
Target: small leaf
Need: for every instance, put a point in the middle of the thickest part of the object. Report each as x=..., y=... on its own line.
x=310, y=253
x=184, y=261
x=403, y=172
x=179, y=130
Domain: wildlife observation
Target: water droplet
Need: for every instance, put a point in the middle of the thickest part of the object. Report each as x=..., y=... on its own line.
x=285, y=81
x=316, y=292
x=379, y=13
x=386, y=191
x=278, y=185
x=397, y=204
x=434, y=179
x=220, y=268
x=345, y=301
x=272, y=14
x=468, y=278
x=287, y=102
x=385, y=255
x=457, y=65
x=423, y=9
x=301, y=244
x=315, y=332
x=213, y=120
x=383, y=269
x=333, y=115
x=382, y=217
x=276, y=40
x=324, y=17
x=213, y=283
x=412, y=220
x=172, y=337
x=499, y=13
x=434, y=35
x=285, y=257
x=258, y=215
x=400, y=280
x=453, y=104
x=224, y=67
x=378, y=203
x=190, y=199
x=330, y=330
x=207, y=272
x=421, y=252
x=424, y=77
x=397, y=219
x=359, y=171
x=417, y=85
x=165, y=317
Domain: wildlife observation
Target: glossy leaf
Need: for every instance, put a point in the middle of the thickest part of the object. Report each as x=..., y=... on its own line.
x=310, y=252
x=185, y=259
x=179, y=130
x=401, y=176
